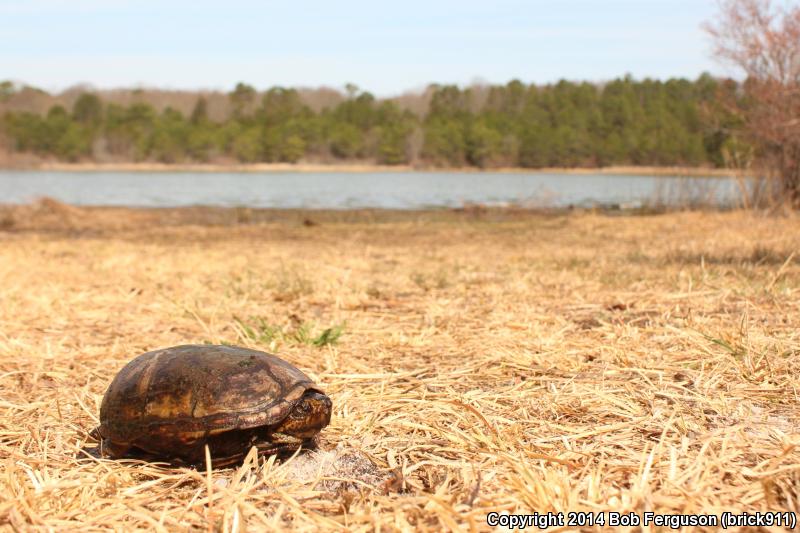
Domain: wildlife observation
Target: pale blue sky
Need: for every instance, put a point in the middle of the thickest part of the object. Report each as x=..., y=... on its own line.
x=384, y=47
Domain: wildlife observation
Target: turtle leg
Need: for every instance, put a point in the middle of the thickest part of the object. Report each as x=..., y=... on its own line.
x=283, y=449
x=115, y=450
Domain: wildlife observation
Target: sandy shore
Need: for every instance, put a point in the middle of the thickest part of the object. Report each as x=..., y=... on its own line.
x=357, y=167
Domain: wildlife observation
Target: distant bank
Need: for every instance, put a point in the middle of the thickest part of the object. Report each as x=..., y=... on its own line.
x=363, y=168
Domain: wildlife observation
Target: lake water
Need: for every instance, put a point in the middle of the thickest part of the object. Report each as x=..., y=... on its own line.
x=394, y=190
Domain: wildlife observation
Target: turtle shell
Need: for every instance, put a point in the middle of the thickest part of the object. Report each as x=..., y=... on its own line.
x=170, y=401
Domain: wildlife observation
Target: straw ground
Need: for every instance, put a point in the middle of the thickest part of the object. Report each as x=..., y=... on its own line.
x=478, y=361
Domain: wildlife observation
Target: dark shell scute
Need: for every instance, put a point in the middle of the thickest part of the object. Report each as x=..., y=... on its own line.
x=182, y=393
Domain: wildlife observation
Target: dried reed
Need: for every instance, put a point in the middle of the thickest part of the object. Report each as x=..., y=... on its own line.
x=489, y=362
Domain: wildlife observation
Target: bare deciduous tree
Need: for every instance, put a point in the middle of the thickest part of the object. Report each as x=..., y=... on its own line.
x=762, y=38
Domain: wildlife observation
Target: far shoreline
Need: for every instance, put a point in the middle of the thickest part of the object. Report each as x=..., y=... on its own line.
x=148, y=167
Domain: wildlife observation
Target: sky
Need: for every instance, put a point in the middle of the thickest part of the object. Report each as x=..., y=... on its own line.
x=383, y=47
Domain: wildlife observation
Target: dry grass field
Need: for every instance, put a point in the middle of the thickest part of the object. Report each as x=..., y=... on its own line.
x=487, y=361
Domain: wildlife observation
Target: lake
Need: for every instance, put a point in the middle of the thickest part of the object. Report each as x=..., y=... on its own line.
x=393, y=190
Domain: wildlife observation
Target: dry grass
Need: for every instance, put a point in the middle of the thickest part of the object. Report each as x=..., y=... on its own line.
x=489, y=361
x=27, y=161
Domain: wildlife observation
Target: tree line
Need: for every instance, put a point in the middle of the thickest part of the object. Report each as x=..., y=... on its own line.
x=566, y=124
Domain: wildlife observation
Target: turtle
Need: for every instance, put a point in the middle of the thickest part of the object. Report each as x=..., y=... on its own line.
x=168, y=404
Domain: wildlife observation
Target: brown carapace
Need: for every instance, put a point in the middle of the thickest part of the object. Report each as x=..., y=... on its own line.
x=169, y=404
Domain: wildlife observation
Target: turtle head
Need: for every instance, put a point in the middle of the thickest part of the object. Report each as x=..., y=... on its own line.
x=308, y=416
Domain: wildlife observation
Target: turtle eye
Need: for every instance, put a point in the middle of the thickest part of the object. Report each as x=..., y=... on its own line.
x=302, y=408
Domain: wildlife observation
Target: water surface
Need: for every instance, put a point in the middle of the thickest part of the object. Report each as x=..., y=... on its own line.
x=400, y=190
